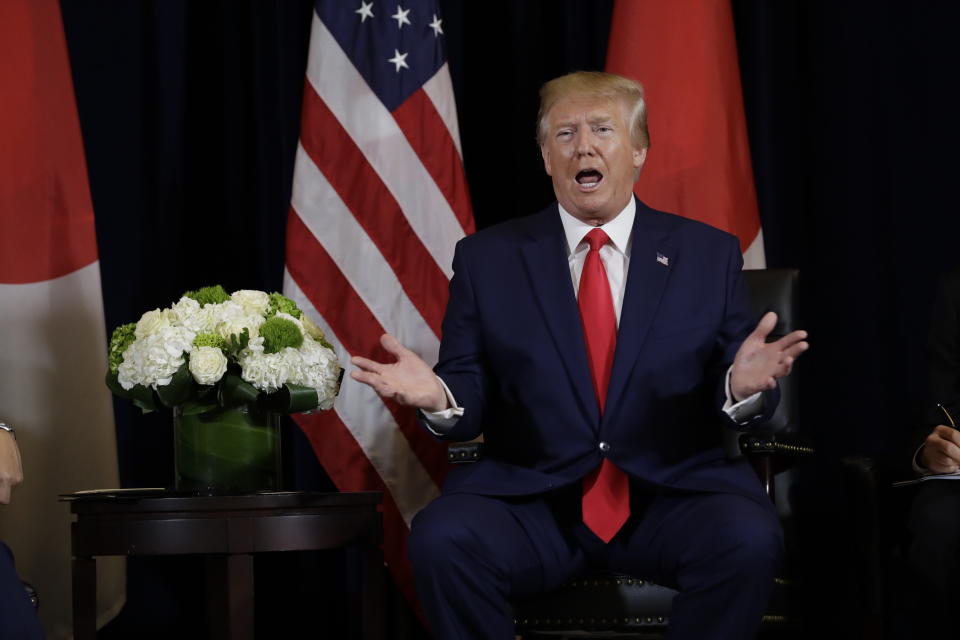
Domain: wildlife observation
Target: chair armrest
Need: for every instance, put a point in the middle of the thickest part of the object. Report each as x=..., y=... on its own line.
x=32, y=595
x=867, y=491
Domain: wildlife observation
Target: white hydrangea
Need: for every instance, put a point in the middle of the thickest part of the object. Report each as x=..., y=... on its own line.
x=312, y=365
x=266, y=371
x=188, y=313
x=153, y=359
x=254, y=303
x=320, y=370
x=254, y=346
x=207, y=364
x=184, y=308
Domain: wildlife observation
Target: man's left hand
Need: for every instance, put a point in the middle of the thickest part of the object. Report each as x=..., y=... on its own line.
x=759, y=363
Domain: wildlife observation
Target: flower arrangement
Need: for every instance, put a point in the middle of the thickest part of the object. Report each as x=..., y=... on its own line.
x=213, y=349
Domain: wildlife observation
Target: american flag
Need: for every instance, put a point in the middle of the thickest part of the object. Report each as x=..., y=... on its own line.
x=379, y=201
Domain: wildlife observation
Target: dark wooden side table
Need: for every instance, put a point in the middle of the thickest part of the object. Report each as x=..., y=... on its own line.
x=228, y=530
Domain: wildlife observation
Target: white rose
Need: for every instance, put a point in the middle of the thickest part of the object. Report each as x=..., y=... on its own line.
x=311, y=329
x=207, y=364
x=152, y=321
x=254, y=303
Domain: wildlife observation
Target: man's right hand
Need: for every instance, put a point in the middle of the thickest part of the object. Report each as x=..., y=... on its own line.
x=11, y=473
x=941, y=450
x=410, y=381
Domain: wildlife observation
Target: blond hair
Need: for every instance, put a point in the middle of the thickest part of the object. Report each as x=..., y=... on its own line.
x=597, y=84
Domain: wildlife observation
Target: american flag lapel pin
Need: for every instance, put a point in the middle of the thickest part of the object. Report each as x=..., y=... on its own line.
x=662, y=259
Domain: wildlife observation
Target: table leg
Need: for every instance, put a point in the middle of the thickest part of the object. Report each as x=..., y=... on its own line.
x=84, y=598
x=230, y=596
x=371, y=592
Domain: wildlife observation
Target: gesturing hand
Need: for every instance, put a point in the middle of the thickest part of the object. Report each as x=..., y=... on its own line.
x=759, y=363
x=11, y=473
x=410, y=381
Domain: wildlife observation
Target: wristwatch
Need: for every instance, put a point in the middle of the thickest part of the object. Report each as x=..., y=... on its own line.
x=6, y=427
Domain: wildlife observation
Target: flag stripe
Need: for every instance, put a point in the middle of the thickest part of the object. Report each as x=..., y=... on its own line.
x=440, y=90
x=420, y=122
x=318, y=276
x=383, y=144
x=754, y=257
x=374, y=432
x=347, y=467
x=369, y=202
x=331, y=224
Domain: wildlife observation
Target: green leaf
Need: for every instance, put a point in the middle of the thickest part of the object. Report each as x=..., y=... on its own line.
x=235, y=391
x=237, y=343
x=198, y=405
x=140, y=395
x=291, y=398
x=180, y=388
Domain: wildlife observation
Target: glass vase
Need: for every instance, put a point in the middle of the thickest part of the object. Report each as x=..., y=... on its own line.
x=227, y=451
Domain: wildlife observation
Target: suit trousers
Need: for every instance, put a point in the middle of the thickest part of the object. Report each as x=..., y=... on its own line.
x=17, y=617
x=472, y=554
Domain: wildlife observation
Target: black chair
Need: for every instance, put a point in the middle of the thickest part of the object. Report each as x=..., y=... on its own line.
x=618, y=606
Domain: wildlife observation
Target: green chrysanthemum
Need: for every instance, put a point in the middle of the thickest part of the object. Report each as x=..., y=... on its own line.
x=210, y=340
x=279, y=333
x=280, y=303
x=123, y=336
x=208, y=295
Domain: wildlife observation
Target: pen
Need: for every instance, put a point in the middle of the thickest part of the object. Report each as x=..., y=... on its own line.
x=947, y=413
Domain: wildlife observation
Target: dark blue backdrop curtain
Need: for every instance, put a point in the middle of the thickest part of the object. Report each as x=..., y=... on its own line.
x=190, y=115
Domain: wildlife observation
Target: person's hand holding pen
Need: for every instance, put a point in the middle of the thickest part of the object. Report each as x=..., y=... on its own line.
x=941, y=449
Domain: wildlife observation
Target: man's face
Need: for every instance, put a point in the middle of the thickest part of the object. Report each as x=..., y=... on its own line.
x=589, y=155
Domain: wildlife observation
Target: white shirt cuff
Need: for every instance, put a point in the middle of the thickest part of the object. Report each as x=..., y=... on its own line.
x=741, y=412
x=440, y=422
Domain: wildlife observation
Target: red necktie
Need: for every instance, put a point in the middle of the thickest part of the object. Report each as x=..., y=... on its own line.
x=606, y=490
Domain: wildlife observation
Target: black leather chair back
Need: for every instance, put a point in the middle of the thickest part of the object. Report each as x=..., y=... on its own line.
x=778, y=290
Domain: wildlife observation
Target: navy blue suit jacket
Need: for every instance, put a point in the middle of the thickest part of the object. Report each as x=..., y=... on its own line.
x=514, y=357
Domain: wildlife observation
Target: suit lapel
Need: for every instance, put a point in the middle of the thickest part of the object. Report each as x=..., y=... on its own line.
x=647, y=278
x=547, y=267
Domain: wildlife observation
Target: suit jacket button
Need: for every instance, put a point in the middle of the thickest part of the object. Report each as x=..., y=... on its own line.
x=604, y=446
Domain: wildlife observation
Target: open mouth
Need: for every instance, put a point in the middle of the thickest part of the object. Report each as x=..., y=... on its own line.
x=589, y=178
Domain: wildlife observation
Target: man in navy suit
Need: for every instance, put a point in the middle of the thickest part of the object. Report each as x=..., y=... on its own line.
x=599, y=346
